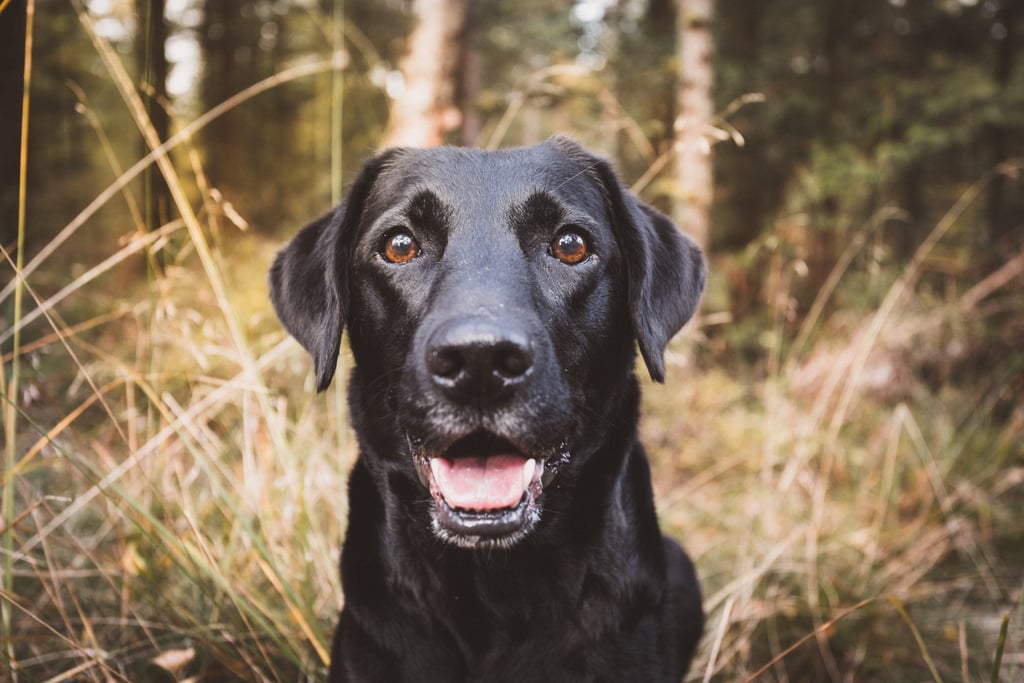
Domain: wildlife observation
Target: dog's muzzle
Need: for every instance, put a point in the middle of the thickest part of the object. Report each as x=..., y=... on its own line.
x=486, y=491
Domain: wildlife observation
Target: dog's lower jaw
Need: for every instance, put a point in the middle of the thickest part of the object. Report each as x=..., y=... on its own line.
x=504, y=529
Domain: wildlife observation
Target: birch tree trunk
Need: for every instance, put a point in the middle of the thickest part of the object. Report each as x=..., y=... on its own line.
x=427, y=108
x=695, y=107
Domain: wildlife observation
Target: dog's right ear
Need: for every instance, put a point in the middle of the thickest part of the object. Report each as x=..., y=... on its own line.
x=308, y=281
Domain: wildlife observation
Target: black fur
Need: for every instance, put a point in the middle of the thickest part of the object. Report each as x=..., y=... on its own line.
x=487, y=344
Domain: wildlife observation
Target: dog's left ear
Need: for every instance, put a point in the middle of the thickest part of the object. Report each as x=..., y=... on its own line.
x=665, y=269
x=666, y=293
x=309, y=278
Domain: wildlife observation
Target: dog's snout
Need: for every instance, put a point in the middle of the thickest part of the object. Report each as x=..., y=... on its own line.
x=473, y=360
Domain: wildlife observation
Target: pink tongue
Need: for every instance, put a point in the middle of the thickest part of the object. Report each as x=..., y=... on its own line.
x=480, y=483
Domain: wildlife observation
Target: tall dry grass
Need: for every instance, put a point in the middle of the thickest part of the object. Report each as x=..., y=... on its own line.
x=854, y=520
x=174, y=502
x=165, y=521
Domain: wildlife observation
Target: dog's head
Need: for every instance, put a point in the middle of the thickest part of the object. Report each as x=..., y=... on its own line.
x=492, y=300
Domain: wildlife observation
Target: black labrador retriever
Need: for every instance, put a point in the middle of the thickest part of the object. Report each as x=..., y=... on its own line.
x=501, y=523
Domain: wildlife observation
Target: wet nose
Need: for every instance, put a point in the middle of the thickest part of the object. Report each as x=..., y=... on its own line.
x=473, y=361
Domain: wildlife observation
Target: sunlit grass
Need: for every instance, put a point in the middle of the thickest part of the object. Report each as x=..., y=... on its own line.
x=835, y=500
x=10, y=385
x=170, y=515
x=175, y=499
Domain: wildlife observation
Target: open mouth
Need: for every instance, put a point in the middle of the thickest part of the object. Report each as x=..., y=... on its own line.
x=485, y=489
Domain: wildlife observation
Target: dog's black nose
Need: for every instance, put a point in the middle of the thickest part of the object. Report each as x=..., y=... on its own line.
x=474, y=360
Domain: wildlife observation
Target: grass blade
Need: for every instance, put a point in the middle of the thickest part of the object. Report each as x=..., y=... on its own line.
x=11, y=388
x=895, y=602
x=1000, y=647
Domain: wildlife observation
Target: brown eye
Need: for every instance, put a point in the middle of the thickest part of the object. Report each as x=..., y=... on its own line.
x=570, y=247
x=400, y=247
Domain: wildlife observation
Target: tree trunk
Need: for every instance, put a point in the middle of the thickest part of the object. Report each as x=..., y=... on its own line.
x=427, y=109
x=695, y=106
x=660, y=37
x=153, y=76
x=611, y=115
x=468, y=86
x=225, y=37
x=12, y=56
x=998, y=144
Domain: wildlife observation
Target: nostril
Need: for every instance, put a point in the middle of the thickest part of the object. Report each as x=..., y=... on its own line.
x=512, y=361
x=446, y=362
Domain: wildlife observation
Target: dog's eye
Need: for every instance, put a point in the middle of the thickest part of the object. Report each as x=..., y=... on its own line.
x=570, y=247
x=400, y=247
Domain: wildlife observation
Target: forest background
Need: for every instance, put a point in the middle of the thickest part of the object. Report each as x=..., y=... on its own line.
x=838, y=444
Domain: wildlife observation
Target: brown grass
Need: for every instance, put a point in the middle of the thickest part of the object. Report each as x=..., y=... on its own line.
x=174, y=489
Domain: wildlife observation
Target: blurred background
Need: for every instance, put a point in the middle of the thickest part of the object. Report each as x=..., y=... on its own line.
x=839, y=444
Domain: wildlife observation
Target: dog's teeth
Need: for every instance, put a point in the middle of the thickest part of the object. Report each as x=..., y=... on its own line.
x=435, y=464
x=528, y=469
